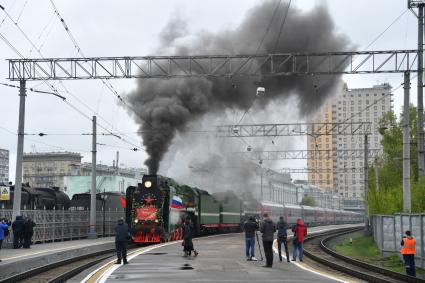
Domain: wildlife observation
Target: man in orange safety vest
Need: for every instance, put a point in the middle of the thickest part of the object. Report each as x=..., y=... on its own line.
x=408, y=251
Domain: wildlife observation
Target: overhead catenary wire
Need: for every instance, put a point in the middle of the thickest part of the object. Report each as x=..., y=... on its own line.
x=106, y=82
x=39, y=52
x=47, y=83
x=281, y=26
x=79, y=111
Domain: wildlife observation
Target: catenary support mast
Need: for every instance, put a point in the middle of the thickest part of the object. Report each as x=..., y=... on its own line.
x=20, y=152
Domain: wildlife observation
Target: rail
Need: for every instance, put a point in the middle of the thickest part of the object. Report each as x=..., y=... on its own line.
x=351, y=266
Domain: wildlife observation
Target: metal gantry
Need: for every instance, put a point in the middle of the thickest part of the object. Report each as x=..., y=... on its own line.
x=148, y=67
x=295, y=129
x=324, y=154
x=281, y=64
x=321, y=170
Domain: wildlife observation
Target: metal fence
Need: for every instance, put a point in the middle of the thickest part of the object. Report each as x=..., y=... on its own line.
x=389, y=229
x=64, y=225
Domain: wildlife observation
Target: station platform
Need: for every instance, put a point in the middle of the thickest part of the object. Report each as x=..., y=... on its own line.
x=18, y=260
x=221, y=259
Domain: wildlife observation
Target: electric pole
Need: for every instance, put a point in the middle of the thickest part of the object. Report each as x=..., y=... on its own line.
x=420, y=4
x=20, y=152
x=366, y=184
x=92, y=229
x=406, y=145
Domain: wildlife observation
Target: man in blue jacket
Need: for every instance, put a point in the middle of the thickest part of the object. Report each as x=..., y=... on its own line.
x=121, y=238
x=282, y=236
x=3, y=227
x=18, y=232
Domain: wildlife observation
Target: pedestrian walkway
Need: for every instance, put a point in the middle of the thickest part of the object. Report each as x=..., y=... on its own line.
x=221, y=259
x=17, y=260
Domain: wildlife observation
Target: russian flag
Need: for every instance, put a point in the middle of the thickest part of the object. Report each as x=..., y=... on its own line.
x=177, y=202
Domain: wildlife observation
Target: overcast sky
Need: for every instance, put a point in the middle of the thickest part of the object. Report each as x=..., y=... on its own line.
x=131, y=28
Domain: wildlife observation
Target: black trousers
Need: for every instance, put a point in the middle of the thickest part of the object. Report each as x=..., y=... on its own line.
x=17, y=240
x=409, y=262
x=268, y=252
x=121, y=247
x=27, y=240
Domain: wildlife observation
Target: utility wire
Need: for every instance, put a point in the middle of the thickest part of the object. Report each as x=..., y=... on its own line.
x=387, y=28
x=268, y=27
x=80, y=51
x=55, y=92
x=50, y=85
x=281, y=26
x=39, y=52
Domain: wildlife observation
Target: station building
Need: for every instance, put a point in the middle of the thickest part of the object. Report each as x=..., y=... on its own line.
x=66, y=171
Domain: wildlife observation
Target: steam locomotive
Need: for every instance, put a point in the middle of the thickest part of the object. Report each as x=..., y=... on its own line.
x=38, y=198
x=156, y=207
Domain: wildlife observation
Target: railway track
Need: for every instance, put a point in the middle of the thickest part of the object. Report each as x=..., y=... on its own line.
x=62, y=270
x=315, y=247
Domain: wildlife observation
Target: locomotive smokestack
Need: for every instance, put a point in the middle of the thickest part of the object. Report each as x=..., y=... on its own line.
x=165, y=107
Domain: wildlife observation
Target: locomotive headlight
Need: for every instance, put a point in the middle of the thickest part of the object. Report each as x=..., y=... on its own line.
x=148, y=184
x=136, y=220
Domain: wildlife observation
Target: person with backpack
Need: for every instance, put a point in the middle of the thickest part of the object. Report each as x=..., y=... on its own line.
x=300, y=231
x=282, y=237
x=3, y=228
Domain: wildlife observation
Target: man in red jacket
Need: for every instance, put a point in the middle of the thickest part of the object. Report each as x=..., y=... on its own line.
x=300, y=231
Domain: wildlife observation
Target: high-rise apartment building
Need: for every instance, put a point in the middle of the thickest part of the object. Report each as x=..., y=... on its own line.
x=351, y=105
x=4, y=166
x=320, y=171
x=48, y=169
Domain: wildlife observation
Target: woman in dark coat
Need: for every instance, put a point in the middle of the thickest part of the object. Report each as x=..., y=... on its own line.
x=28, y=232
x=187, y=238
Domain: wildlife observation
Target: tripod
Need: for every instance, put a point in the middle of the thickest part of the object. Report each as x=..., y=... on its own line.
x=259, y=247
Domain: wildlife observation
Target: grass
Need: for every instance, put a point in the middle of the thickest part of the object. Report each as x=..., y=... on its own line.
x=364, y=248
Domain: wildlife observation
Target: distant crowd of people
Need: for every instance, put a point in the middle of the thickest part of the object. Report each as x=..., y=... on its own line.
x=268, y=229
x=22, y=230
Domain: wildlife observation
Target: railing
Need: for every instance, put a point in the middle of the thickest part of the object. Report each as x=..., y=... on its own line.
x=64, y=225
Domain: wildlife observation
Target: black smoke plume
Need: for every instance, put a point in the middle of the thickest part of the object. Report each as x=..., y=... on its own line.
x=164, y=107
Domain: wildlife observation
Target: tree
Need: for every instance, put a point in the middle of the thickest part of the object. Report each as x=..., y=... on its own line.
x=309, y=201
x=389, y=198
